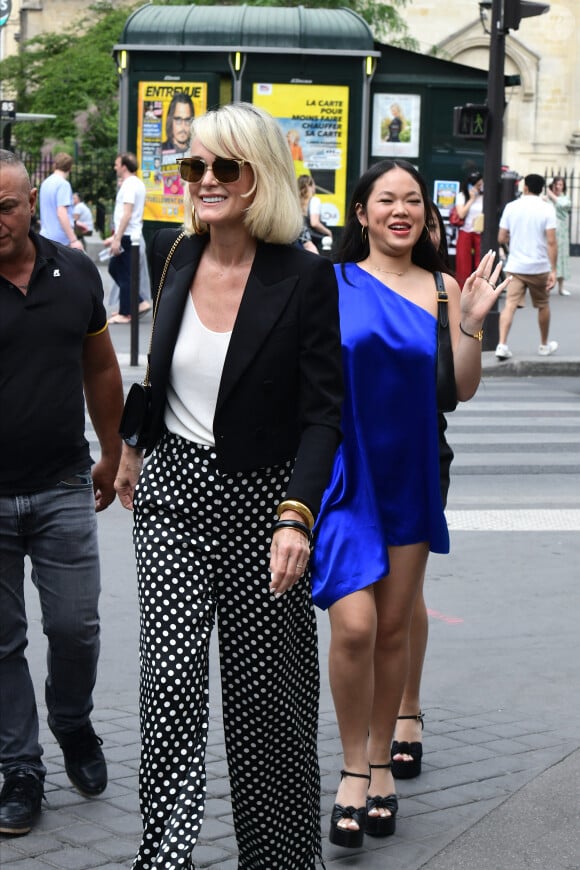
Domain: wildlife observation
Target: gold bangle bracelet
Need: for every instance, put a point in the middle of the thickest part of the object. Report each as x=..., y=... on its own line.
x=290, y=504
x=478, y=336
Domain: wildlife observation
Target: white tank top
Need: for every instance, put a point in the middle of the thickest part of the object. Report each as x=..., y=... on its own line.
x=194, y=378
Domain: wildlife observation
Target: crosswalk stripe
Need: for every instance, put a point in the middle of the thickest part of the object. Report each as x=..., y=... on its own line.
x=520, y=427
x=560, y=520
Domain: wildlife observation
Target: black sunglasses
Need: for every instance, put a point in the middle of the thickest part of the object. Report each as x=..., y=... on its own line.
x=225, y=170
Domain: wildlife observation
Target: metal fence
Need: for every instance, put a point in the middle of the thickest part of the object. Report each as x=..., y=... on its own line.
x=94, y=179
x=573, y=191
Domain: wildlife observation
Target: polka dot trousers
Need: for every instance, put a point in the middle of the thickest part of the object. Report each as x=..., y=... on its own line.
x=202, y=540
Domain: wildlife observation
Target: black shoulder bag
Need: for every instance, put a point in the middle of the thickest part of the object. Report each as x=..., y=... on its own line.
x=444, y=372
x=136, y=420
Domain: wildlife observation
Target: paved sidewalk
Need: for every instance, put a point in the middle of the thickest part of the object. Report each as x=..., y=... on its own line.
x=499, y=789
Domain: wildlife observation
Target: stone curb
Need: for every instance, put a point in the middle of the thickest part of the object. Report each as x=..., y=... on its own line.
x=563, y=367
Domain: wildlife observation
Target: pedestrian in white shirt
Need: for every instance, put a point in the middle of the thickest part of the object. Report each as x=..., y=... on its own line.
x=128, y=228
x=528, y=228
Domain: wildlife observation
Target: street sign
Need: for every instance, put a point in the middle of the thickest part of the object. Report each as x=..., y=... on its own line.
x=7, y=107
x=5, y=10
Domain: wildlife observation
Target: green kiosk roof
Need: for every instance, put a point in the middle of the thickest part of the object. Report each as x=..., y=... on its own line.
x=248, y=28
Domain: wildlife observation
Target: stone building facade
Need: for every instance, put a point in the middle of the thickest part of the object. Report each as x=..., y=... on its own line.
x=30, y=18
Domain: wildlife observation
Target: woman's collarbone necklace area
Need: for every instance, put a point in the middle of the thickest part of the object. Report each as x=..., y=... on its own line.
x=388, y=271
x=231, y=268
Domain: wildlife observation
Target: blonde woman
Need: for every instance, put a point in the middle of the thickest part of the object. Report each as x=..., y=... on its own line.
x=247, y=387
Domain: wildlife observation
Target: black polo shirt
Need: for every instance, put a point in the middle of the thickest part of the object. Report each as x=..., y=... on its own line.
x=42, y=412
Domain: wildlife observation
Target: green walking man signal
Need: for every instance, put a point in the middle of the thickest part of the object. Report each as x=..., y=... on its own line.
x=470, y=121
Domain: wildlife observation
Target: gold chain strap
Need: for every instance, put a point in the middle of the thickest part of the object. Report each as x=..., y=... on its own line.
x=146, y=380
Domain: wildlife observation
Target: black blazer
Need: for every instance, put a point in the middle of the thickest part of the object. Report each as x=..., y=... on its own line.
x=281, y=389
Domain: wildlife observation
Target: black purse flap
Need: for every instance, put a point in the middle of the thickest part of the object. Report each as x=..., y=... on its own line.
x=136, y=416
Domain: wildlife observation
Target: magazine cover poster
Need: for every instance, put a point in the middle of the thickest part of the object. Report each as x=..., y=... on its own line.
x=165, y=113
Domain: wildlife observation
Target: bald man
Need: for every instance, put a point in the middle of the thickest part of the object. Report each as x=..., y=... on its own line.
x=54, y=344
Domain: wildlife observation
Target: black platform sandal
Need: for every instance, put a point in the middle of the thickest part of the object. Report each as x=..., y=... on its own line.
x=382, y=826
x=407, y=769
x=347, y=837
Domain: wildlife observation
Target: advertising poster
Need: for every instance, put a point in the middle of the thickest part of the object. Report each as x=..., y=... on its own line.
x=396, y=125
x=444, y=195
x=164, y=116
x=314, y=119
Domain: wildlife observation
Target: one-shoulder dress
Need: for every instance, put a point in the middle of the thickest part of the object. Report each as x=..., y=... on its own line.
x=384, y=489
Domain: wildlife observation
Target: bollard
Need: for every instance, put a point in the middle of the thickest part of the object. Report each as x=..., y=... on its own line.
x=134, y=302
x=491, y=329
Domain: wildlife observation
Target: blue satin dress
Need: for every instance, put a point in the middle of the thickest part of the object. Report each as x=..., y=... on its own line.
x=384, y=490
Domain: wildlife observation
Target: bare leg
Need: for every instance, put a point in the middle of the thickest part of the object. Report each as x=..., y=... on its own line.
x=406, y=729
x=544, y=323
x=353, y=633
x=505, y=321
x=395, y=599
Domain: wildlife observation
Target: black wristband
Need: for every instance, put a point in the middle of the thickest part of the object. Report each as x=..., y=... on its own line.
x=478, y=336
x=294, y=524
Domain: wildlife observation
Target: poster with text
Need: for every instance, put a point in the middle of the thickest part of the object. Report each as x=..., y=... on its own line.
x=314, y=119
x=165, y=113
x=396, y=125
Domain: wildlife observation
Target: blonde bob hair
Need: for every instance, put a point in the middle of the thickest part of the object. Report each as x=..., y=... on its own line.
x=245, y=132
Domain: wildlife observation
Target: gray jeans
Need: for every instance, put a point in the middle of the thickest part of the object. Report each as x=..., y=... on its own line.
x=57, y=530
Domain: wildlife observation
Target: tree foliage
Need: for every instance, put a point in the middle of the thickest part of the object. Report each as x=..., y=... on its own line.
x=72, y=74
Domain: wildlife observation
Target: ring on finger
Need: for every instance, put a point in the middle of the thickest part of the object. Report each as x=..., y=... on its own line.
x=491, y=284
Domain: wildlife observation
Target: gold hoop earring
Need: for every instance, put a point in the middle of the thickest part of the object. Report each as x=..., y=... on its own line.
x=197, y=226
x=364, y=234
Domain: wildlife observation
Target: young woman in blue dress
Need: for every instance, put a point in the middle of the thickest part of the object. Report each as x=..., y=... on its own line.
x=382, y=511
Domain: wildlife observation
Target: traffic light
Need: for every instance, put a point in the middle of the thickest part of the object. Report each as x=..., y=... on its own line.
x=515, y=10
x=470, y=121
